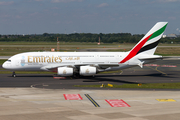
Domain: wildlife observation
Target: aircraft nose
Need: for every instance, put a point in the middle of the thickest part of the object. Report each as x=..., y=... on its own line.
x=4, y=65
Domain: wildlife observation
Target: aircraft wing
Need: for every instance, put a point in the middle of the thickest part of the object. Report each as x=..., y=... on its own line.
x=76, y=66
x=51, y=67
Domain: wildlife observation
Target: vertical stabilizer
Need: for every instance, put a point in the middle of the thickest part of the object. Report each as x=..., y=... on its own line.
x=148, y=44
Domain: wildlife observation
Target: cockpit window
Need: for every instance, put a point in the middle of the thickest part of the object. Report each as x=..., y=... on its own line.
x=9, y=60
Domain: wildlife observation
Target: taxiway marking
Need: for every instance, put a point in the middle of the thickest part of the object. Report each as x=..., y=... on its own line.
x=91, y=99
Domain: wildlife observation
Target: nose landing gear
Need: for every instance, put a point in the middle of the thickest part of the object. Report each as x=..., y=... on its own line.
x=13, y=74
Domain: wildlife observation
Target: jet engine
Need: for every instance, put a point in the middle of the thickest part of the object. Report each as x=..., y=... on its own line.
x=64, y=71
x=87, y=70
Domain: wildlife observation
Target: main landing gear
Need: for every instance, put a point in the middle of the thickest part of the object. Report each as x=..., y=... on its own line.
x=76, y=75
x=13, y=74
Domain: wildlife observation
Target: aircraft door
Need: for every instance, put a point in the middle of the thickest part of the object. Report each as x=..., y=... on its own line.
x=117, y=57
x=96, y=56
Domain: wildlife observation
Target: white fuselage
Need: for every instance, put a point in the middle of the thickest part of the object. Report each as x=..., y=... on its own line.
x=37, y=61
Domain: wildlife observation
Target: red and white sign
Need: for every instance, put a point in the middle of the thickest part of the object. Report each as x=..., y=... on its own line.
x=117, y=103
x=151, y=65
x=168, y=66
x=72, y=97
x=59, y=77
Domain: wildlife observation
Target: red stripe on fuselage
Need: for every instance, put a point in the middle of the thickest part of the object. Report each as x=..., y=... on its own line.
x=135, y=50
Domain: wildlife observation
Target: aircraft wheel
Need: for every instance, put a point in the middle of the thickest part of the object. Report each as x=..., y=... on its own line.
x=14, y=74
x=77, y=75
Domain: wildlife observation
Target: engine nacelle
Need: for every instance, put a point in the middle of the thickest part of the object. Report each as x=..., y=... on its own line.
x=64, y=71
x=87, y=70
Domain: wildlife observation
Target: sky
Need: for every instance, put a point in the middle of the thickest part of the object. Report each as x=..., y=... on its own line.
x=87, y=16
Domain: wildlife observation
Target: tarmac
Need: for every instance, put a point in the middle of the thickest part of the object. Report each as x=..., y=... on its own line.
x=41, y=97
x=46, y=104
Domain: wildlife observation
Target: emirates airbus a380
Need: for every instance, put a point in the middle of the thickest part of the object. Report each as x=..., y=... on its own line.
x=89, y=63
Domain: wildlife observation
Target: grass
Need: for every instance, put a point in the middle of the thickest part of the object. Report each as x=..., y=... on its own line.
x=43, y=43
x=164, y=51
x=143, y=86
x=2, y=61
x=168, y=51
x=119, y=50
x=12, y=48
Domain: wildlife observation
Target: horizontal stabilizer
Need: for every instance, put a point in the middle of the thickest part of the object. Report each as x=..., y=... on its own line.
x=154, y=57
